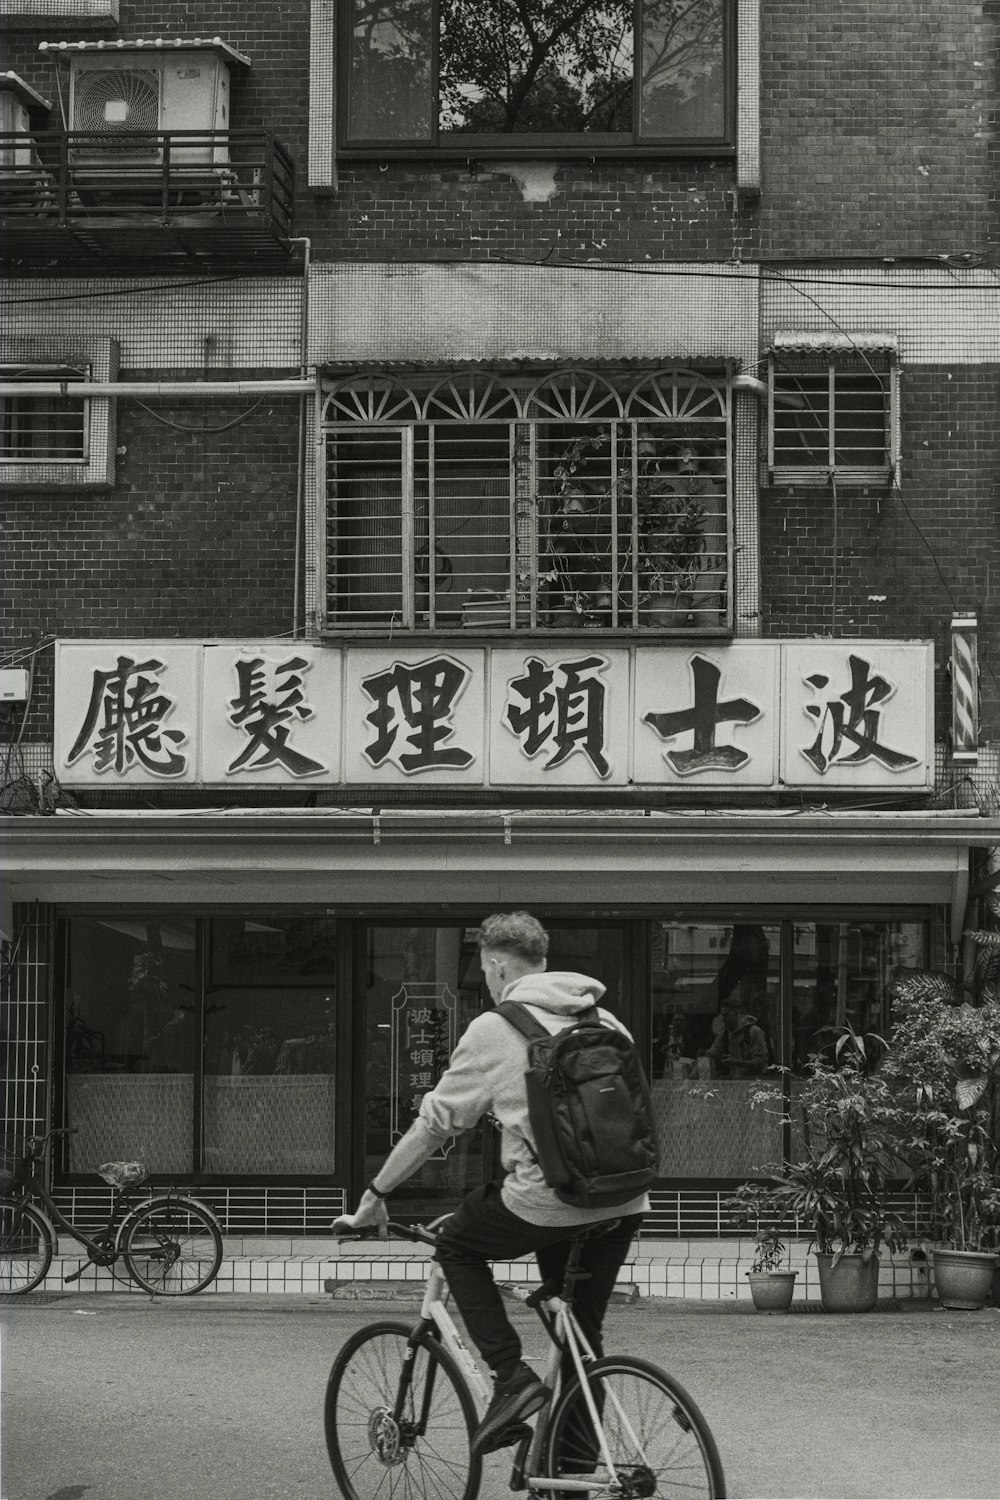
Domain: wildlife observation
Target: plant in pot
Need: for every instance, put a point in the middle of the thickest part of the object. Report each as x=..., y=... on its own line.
x=680, y=578
x=945, y=1068
x=772, y=1285
x=839, y=1190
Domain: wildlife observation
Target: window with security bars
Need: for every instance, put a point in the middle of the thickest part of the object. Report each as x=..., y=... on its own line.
x=43, y=429
x=832, y=419
x=482, y=503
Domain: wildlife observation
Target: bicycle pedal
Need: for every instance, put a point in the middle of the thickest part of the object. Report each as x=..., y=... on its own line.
x=520, y=1463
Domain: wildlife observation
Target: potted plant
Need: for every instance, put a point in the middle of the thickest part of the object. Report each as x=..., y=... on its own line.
x=839, y=1189
x=945, y=1066
x=772, y=1285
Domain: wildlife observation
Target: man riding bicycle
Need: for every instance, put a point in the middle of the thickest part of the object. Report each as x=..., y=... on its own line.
x=485, y=1076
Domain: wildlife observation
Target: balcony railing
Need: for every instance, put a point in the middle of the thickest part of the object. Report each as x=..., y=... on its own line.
x=174, y=194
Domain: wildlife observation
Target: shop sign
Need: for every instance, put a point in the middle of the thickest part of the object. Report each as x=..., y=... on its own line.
x=423, y=1035
x=813, y=714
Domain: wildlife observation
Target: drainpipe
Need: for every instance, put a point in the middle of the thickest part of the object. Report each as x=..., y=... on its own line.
x=309, y=389
x=76, y=390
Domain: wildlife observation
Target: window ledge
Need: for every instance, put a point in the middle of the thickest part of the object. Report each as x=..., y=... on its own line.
x=529, y=152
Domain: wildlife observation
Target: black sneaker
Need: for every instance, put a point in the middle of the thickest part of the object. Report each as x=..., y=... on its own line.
x=514, y=1399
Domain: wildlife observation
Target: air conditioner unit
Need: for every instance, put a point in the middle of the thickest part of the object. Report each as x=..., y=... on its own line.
x=18, y=101
x=124, y=96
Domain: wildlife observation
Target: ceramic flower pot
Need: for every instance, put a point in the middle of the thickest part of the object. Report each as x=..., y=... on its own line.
x=963, y=1278
x=772, y=1291
x=849, y=1286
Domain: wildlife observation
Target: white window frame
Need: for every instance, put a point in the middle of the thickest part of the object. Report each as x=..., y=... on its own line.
x=41, y=360
x=785, y=368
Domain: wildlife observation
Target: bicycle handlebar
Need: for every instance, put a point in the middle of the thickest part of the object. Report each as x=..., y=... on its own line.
x=35, y=1143
x=418, y=1233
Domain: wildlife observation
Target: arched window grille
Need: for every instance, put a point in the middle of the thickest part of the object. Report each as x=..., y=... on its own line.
x=501, y=503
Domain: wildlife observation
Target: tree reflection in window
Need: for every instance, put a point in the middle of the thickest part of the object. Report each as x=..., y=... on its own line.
x=422, y=73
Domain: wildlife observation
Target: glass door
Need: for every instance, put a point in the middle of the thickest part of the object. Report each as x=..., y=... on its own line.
x=423, y=984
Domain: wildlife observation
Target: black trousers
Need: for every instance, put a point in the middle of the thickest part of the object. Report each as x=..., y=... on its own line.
x=484, y=1229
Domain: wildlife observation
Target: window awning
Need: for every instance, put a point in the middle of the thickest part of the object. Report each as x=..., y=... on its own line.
x=473, y=858
x=825, y=341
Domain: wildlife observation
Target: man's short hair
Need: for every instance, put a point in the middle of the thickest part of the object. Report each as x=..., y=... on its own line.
x=515, y=932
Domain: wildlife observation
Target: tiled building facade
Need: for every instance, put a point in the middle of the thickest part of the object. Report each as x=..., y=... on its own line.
x=694, y=410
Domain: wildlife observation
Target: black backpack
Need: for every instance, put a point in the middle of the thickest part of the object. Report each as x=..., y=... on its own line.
x=589, y=1109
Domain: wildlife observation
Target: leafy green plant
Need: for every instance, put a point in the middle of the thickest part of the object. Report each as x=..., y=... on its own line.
x=944, y=1068
x=839, y=1190
x=752, y=1208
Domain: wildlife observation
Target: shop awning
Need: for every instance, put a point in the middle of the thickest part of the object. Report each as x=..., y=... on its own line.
x=475, y=858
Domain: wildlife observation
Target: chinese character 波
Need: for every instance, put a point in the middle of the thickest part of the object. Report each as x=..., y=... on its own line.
x=562, y=710
x=418, y=699
x=701, y=721
x=849, y=725
x=266, y=712
x=125, y=719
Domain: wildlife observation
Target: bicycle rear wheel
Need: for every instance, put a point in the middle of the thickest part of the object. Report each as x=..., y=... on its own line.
x=426, y=1452
x=172, y=1246
x=658, y=1440
x=25, y=1248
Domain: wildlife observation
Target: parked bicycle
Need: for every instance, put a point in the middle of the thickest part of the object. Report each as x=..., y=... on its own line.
x=401, y=1410
x=171, y=1244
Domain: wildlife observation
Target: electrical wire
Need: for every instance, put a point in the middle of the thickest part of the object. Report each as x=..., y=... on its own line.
x=715, y=273
x=181, y=427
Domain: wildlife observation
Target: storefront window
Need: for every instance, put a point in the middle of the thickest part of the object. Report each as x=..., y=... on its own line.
x=840, y=971
x=715, y=1030
x=424, y=986
x=270, y=1047
x=130, y=1041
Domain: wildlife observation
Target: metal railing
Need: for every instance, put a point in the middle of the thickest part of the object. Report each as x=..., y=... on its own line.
x=167, y=175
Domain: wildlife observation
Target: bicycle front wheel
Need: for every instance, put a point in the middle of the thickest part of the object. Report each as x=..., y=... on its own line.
x=425, y=1450
x=172, y=1246
x=25, y=1248
x=657, y=1439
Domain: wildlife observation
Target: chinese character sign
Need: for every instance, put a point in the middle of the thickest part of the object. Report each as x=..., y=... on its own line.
x=707, y=716
x=564, y=712
x=856, y=714
x=270, y=712
x=414, y=714
x=821, y=714
x=423, y=1035
x=127, y=712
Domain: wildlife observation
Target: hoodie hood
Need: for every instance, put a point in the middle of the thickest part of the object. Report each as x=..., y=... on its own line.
x=562, y=994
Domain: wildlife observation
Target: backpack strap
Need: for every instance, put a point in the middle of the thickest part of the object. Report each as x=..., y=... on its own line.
x=529, y=1026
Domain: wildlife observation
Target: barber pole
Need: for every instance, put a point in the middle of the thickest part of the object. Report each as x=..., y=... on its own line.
x=964, y=689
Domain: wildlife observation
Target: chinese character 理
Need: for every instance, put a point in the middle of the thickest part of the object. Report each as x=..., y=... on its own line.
x=701, y=720
x=125, y=721
x=267, y=718
x=849, y=725
x=422, y=698
x=564, y=710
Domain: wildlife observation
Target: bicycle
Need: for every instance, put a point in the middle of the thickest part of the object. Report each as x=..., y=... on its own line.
x=171, y=1244
x=400, y=1410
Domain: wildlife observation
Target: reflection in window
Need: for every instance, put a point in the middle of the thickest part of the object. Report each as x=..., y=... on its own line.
x=424, y=73
x=270, y=1047
x=130, y=1041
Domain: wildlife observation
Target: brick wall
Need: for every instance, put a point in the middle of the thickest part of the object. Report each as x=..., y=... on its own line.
x=879, y=128
x=905, y=559
x=196, y=539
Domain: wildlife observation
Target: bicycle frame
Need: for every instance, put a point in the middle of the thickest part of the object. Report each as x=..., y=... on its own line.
x=102, y=1248
x=564, y=1333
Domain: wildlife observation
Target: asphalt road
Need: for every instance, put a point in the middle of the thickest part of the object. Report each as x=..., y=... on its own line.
x=120, y=1398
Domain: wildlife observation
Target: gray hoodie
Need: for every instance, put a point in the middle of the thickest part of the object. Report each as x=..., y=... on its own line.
x=486, y=1076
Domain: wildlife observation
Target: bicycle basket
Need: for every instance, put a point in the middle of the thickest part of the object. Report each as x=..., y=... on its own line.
x=122, y=1174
